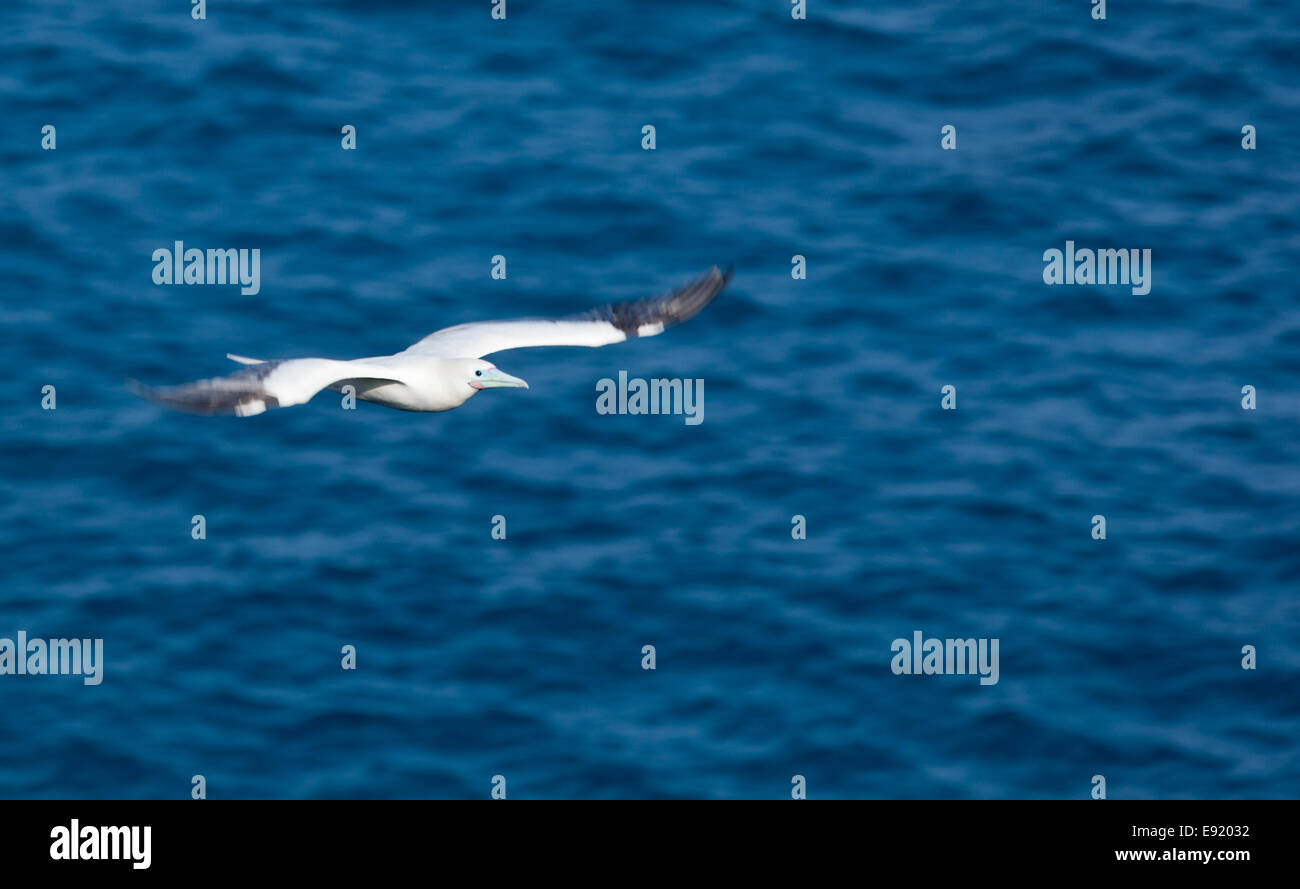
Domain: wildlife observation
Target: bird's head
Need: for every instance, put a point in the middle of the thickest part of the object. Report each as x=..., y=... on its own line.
x=481, y=374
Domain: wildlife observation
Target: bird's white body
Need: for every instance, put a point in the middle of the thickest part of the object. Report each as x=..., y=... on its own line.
x=417, y=383
x=441, y=371
x=404, y=381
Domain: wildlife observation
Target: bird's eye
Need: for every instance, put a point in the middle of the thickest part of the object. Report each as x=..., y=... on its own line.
x=478, y=373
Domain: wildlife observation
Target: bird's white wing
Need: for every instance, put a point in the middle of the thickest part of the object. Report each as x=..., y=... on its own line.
x=262, y=385
x=598, y=327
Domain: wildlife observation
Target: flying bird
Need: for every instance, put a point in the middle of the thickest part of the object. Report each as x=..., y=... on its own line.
x=441, y=371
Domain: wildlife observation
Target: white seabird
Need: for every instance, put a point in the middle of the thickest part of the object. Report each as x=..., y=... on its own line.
x=441, y=371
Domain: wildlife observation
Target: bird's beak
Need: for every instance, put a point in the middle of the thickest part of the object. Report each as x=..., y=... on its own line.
x=495, y=379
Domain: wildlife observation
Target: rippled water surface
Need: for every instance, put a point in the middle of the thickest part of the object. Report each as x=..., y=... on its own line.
x=478, y=657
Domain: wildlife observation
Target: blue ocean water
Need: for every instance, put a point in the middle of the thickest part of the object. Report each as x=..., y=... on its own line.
x=775, y=137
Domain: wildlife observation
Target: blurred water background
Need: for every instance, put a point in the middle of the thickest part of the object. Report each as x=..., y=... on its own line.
x=775, y=137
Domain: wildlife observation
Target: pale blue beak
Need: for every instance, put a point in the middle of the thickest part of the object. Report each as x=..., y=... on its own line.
x=496, y=379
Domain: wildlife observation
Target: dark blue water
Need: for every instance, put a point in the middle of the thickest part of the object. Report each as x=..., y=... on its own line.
x=479, y=657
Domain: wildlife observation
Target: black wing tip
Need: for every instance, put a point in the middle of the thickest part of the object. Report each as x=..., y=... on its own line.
x=204, y=398
x=660, y=312
x=160, y=396
x=687, y=302
x=152, y=394
x=722, y=274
